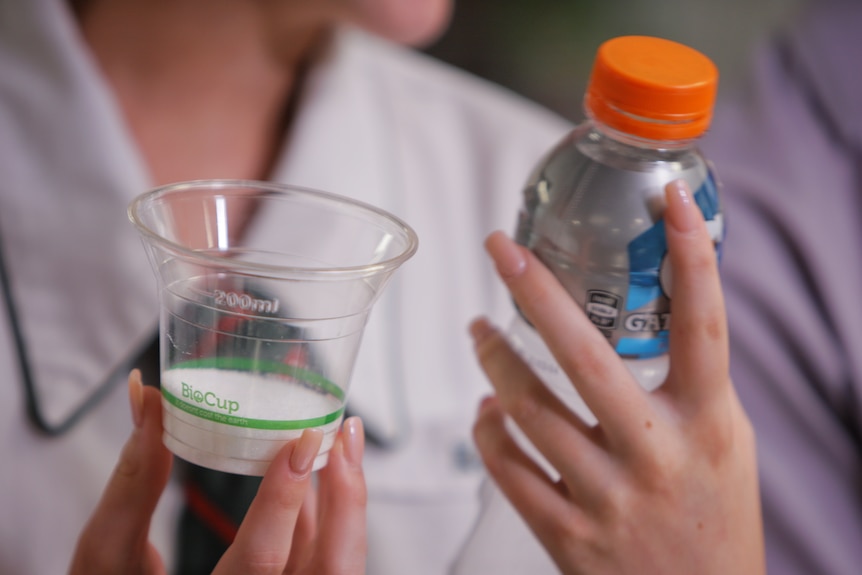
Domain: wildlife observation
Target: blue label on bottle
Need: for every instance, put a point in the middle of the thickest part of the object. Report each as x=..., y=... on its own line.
x=646, y=300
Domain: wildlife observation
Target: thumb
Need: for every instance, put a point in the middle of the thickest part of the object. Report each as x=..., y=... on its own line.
x=115, y=540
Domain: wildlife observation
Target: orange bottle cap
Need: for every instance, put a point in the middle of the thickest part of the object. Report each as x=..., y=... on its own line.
x=652, y=88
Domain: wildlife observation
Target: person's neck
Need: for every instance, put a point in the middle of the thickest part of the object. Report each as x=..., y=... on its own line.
x=203, y=89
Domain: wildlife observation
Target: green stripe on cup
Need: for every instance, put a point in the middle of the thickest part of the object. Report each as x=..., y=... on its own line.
x=247, y=422
x=263, y=367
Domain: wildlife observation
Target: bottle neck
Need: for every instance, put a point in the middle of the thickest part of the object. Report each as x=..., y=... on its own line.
x=637, y=141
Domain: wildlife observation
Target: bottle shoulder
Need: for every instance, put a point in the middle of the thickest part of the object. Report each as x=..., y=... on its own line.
x=588, y=143
x=592, y=190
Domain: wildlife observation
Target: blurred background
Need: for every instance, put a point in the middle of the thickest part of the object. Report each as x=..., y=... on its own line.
x=543, y=49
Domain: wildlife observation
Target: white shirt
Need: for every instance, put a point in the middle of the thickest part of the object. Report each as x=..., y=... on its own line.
x=444, y=151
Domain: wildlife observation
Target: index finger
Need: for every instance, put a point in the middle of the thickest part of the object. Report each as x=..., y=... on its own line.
x=699, y=355
x=583, y=353
x=341, y=538
x=263, y=542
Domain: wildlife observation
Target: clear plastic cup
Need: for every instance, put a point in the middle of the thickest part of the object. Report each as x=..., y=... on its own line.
x=264, y=293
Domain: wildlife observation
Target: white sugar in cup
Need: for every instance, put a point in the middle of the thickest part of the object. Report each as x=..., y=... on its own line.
x=221, y=416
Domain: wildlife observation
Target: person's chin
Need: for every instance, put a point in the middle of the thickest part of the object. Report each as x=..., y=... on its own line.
x=410, y=22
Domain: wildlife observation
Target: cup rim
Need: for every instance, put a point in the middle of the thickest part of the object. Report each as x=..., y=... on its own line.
x=412, y=240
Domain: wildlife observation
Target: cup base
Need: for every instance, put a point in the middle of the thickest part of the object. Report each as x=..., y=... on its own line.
x=217, y=462
x=219, y=447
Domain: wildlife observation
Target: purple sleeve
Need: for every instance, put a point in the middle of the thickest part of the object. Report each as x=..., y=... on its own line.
x=789, y=157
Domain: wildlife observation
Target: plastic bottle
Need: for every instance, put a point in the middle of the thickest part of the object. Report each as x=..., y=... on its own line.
x=592, y=208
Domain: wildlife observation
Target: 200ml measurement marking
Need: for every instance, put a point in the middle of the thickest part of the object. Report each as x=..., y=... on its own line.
x=245, y=302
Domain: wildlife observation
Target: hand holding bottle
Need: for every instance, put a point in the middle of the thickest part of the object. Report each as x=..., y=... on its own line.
x=667, y=481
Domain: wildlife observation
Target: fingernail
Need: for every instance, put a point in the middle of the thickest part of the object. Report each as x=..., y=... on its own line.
x=354, y=440
x=507, y=255
x=305, y=451
x=686, y=213
x=486, y=402
x=480, y=329
x=136, y=397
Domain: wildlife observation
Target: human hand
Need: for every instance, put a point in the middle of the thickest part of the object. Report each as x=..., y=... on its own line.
x=666, y=483
x=288, y=528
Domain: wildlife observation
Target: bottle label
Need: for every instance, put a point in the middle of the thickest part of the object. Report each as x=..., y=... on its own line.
x=603, y=308
x=645, y=329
